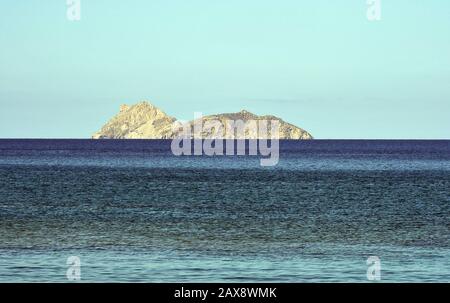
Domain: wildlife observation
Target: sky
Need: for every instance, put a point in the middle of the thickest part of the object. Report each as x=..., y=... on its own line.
x=321, y=65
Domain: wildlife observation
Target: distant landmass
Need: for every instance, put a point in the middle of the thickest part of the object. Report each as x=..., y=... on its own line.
x=145, y=121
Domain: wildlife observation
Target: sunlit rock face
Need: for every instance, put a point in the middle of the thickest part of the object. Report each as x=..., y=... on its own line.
x=139, y=121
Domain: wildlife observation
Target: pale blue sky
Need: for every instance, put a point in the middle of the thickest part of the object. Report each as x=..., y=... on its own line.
x=318, y=64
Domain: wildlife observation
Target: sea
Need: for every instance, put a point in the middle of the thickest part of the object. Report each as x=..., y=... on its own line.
x=131, y=211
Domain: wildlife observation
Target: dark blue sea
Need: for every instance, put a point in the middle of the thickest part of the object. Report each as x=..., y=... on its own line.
x=133, y=212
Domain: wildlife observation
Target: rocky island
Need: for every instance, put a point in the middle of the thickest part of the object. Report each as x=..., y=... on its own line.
x=145, y=121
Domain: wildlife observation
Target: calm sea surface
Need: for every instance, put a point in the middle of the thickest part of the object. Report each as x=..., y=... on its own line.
x=131, y=211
